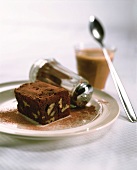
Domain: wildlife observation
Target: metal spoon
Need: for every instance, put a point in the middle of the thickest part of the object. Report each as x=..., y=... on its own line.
x=97, y=31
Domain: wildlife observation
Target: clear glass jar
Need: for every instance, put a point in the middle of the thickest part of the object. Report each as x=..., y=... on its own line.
x=51, y=71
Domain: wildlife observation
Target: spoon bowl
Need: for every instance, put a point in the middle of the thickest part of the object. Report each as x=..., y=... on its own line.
x=97, y=32
x=96, y=29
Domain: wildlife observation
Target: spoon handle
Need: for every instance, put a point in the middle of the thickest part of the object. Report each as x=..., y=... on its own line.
x=120, y=89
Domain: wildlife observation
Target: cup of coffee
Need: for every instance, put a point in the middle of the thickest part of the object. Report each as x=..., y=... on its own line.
x=91, y=63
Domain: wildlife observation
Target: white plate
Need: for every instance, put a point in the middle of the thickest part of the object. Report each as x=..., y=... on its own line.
x=106, y=106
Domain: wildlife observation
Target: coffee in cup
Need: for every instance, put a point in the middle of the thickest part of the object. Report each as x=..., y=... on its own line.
x=92, y=65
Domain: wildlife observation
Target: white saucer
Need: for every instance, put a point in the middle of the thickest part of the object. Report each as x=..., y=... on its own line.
x=106, y=106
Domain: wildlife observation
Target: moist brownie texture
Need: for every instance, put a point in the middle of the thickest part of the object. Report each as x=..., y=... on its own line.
x=42, y=102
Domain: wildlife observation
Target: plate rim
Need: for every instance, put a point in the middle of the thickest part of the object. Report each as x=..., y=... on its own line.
x=51, y=136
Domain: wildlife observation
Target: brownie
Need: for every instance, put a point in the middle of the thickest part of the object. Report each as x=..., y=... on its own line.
x=42, y=102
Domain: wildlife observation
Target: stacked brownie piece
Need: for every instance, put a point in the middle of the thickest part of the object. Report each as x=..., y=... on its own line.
x=42, y=102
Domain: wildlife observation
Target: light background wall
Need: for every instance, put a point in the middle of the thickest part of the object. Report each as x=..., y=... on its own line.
x=32, y=29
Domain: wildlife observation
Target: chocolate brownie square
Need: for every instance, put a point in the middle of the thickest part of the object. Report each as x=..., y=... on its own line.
x=42, y=102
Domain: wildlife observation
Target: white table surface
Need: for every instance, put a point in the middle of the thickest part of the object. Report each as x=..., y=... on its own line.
x=21, y=44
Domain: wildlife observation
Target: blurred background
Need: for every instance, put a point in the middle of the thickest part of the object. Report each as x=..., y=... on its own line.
x=33, y=29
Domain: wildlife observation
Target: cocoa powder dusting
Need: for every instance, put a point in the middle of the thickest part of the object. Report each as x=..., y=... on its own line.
x=78, y=117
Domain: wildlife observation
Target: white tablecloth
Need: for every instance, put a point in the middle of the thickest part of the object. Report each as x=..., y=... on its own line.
x=23, y=42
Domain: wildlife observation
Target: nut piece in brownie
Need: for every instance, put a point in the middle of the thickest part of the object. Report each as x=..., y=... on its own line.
x=42, y=102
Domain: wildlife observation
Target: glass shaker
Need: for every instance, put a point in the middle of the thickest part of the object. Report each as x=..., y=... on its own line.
x=51, y=71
